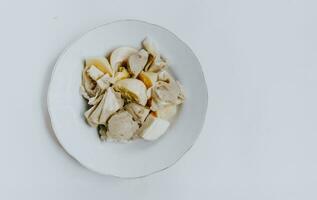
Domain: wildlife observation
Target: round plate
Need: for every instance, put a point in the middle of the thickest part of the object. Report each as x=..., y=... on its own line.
x=138, y=158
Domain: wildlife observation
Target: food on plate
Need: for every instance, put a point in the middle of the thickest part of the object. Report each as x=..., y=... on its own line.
x=121, y=126
x=155, y=63
x=137, y=62
x=153, y=127
x=122, y=73
x=101, y=63
x=138, y=112
x=132, y=96
x=133, y=90
x=167, y=113
x=120, y=55
x=148, y=78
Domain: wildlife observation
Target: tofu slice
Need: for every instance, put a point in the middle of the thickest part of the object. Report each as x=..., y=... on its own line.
x=94, y=73
x=153, y=128
x=104, y=82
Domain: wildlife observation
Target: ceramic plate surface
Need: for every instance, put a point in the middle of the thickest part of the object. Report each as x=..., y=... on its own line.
x=138, y=158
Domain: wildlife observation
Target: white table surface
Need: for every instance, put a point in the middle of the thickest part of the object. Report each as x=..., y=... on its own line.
x=260, y=62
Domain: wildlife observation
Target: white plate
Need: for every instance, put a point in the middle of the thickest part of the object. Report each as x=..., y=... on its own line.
x=138, y=158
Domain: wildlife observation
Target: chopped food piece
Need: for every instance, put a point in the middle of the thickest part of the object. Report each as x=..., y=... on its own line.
x=84, y=92
x=156, y=63
x=101, y=63
x=175, y=85
x=165, y=76
x=137, y=62
x=93, y=114
x=132, y=89
x=94, y=72
x=149, y=62
x=150, y=47
x=148, y=78
x=121, y=74
x=87, y=115
x=138, y=112
x=156, y=104
x=88, y=84
x=95, y=100
x=169, y=93
x=104, y=82
x=165, y=92
x=120, y=55
x=167, y=112
x=112, y=103
x=121, y=126
x=153, y=127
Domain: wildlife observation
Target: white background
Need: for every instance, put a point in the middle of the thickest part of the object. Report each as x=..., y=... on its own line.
x=259, y=59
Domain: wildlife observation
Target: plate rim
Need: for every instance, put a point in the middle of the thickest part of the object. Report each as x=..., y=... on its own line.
x=58, y=60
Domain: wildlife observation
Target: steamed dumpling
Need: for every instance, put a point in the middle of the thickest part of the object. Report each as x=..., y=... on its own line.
x=121, y=126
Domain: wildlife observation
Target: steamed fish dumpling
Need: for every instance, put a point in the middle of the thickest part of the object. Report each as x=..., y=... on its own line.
x=121, y=126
